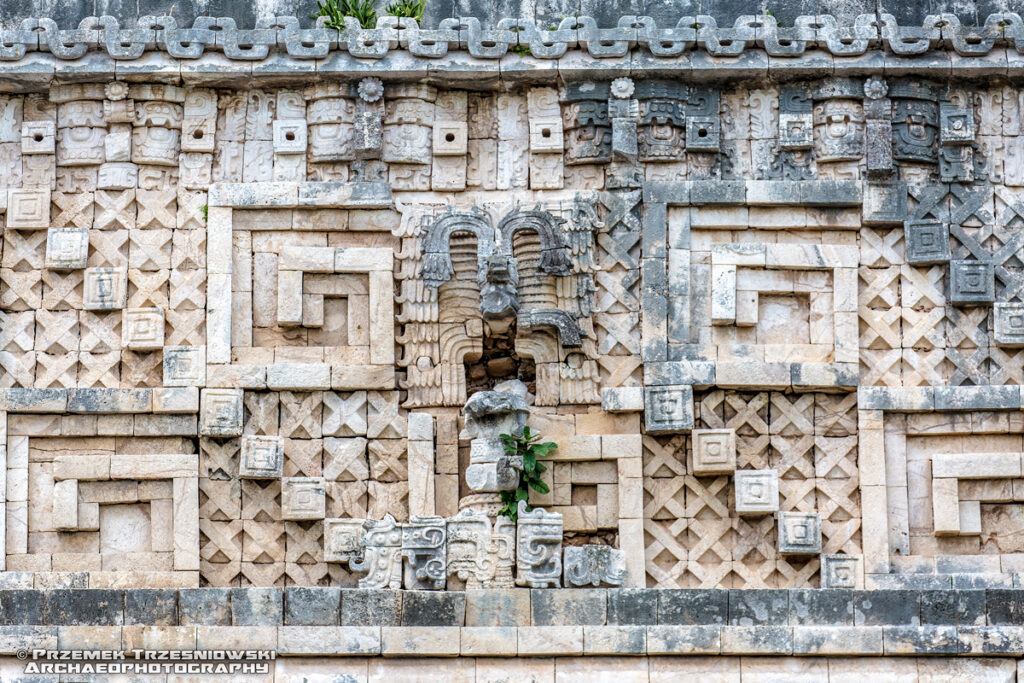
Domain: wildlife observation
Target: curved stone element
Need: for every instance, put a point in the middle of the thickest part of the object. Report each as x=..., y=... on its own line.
x=554, y=257
x=569, y=332
x=437, y=261
x=492, y=413
x=701, y=32
x=382, y=554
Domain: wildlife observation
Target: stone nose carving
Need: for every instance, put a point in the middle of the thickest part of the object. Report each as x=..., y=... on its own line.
x=496, y=262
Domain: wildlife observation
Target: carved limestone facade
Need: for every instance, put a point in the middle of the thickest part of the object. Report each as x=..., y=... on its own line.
x=259, y=289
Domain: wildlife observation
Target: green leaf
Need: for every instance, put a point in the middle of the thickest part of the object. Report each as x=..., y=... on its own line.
x=526, y=433
x=543, y=449
x=539, y=486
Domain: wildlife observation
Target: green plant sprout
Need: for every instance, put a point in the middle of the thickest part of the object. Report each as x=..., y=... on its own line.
x=528, y=447
x=336, y=10
x=407, y=8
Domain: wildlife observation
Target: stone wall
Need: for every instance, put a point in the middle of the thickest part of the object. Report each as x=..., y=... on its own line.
x=269, y=298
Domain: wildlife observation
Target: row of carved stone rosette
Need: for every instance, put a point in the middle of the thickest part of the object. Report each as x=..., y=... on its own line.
x=284, y=34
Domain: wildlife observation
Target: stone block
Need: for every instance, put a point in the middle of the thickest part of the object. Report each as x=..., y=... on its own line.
x=498, y=607
x=714, y=451
x=151, y=606
x=756, y=608
x=450, y=138
x=813, y=607
x=204, y=606
x=552, y=607
x=842, y=571
x=363, y=607
x=927, y=242
x=257, y=606
x=622, y=399
x=28, y=209
x=971, y=282
x=329, y=641
x=693, y=606
x=67, y=248
x=1009, y=324
x=90, y=607
x=303, y=498
x=489, y=641
x=551, y=640
x=18, y=607
x=633, y=606
x=184, y=366
x=799, y=533
x=424, y=641
x=688, y=640
x=757, y=640
x=433, y=608
x=885, y=607
x=908, y=640
x=142, y=329
x=104, y=289
x=220, y=412
x=837, y=640
x=757, y=492
x=312, y=606
x=262, y=457
x=668, y=409
x=614, y=640
x=593, y=565
x=953, y=607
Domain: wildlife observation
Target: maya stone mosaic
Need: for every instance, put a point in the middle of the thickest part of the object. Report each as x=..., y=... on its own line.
x=270, y=297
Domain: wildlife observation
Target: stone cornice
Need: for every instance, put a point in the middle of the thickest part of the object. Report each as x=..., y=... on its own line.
x=636, y=36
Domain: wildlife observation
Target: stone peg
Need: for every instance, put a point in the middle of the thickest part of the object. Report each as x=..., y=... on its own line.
x=593, y=565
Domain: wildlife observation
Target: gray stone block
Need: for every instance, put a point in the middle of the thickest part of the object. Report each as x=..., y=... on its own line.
x=98, y=400
x=971, y=282
x=15, y=580
x=953, y=607
x=557, y=607
x=84, y=607
x=927, y=242
x=23, y=400
x=204, y=606
x=1004, y=607
x=433, y=608
x=830, y=192
x=693, y=606
x=700, y=374
x=991, y=640
x=21, y=607
x=932, y=640
x=633, y=606
x=980, y=581
x=312, y=606
x=257, y=606
x=498, y=607
x=717, y=192
x=817, y=607
x=1009, y=323
x=668, y=409
x=886, y=607
x=362, y=607
x=885, y=203
x=760, y=607
x=151, y=606
x=977, y=398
